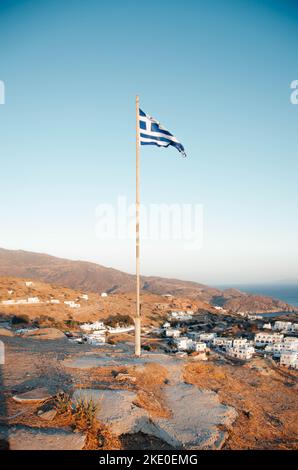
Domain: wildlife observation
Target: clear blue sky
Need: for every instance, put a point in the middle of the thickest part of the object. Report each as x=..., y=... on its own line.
x=215, y=73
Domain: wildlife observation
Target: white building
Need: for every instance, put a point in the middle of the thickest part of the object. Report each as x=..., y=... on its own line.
x=199, y=347
x=291, y=342
x=207, y=337
x=240, y=342
x=8, y=302
x=267, y=326
x=167, y=324
x=241, y=352
x=261, y=339
x=55, y=301
x=103, y=294
x=289, y=359
x=96, y=326
x=222, y=342
x=96, y=338
x=10, y=291
x=120, y=329
x=172, y=333
x=33, y=300
x=276, y=349
x=287, y=345
x=182, y=315
x=84, y=296
x=283, y=326
x=184, y=344
x=71, y=304
x=28, y=283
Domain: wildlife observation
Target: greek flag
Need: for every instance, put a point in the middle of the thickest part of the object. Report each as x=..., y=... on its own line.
x=153, y=133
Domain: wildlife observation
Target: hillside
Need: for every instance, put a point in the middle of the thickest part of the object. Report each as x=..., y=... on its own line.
x=92, y=277
x=154, y=307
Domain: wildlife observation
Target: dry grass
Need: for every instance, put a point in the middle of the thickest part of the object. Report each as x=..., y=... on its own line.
x=81, y=417
x=147, y=381
x=150, y=380
x=266, y=403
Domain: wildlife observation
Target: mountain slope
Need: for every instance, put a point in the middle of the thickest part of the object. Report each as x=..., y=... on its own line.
x=93, y=277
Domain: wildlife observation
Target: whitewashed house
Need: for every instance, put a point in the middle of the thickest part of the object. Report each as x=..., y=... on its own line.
x=241, y=352
x=267, y=326
x=291, y=343
x=84, y=296
x=28, y=283
x=275, y=349
x=183, y=343
x=167, y=324
x=55, y=301
x=254, y=317
x=240, y=342
x=95, y=338
x=96, y=326
x=182, y=315
x=10, y=291
x=207, y=337
x=120, y=329
x=289, y=359
x=8, y=302
x=283, y=326
x=261, y=339
x=172, y=333
x=33, y=300
x=222, y=342
x=199, y=347
x=103, y=294
x=287, y=345
x=71, y=304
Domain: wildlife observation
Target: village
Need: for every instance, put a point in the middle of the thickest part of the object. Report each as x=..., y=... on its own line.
x=186, y=332
x=182, y=339
x=62, y=342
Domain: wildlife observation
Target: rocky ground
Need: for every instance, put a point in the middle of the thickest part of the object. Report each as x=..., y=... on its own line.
x=156, y=402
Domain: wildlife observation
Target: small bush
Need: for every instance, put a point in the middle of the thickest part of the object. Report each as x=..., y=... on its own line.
x=20, y=319
x=85, y=411
x=119, y=320
x=63, y=403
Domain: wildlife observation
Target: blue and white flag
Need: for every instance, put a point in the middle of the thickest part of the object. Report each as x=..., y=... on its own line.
x=153, y=133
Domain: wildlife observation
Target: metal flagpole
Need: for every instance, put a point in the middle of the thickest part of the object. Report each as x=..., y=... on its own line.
x=138, y=313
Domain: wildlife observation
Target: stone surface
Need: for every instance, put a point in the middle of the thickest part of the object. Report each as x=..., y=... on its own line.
x=26, y=438
x=33, y=396
x=196, y=415
x=116, y=408
x=45, y=333
x=194, y=422
x=198, y=420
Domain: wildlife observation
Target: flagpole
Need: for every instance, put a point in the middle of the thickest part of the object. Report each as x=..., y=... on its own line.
x=138, y=314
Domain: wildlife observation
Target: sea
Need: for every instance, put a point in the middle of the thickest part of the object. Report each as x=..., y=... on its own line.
x=285, y=292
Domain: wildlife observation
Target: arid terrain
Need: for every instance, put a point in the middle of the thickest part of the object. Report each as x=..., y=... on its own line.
x=91, y=277
x=264, y=398
x=83, y=396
